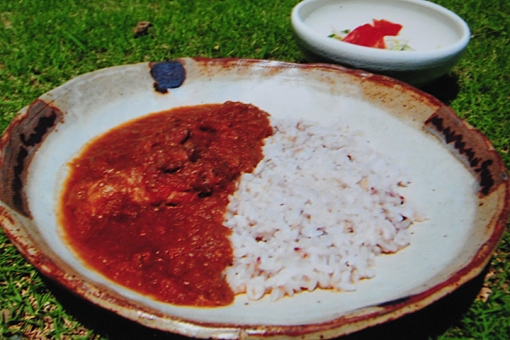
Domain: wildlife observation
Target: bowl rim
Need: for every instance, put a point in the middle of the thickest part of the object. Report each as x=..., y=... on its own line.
x=381, y=55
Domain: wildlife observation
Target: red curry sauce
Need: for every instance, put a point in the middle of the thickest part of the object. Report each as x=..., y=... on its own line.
x=144, y=203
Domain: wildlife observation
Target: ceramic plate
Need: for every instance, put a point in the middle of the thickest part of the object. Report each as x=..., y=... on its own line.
x=458, y=182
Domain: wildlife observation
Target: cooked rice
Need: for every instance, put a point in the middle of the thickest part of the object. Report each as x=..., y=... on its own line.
x=316, y=212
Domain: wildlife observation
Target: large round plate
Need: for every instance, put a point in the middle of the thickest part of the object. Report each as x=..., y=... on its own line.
x=459, y=184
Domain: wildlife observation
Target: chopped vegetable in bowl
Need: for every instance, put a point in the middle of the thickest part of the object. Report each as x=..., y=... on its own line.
x=374, y=36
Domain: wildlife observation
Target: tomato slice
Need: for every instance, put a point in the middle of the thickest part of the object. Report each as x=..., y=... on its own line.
x=373, y=35
x=387, y=27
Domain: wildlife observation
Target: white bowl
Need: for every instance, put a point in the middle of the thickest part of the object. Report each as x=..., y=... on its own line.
x=459, y=183
x=436, y=35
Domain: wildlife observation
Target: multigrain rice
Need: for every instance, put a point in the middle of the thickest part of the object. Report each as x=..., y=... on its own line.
x=315, y=212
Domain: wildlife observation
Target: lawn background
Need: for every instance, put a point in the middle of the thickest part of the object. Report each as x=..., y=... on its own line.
x=43, y=44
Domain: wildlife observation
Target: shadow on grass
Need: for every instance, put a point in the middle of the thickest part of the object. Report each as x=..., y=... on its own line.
x=427, y=323
x=445, y=88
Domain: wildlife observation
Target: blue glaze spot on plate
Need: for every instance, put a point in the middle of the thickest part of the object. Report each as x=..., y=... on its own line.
x=168, y=75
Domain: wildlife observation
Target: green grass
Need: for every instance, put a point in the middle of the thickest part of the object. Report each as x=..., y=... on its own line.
x=46, y=43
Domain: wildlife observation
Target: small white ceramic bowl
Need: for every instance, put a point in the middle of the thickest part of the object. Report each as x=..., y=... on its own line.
x=436, y=35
